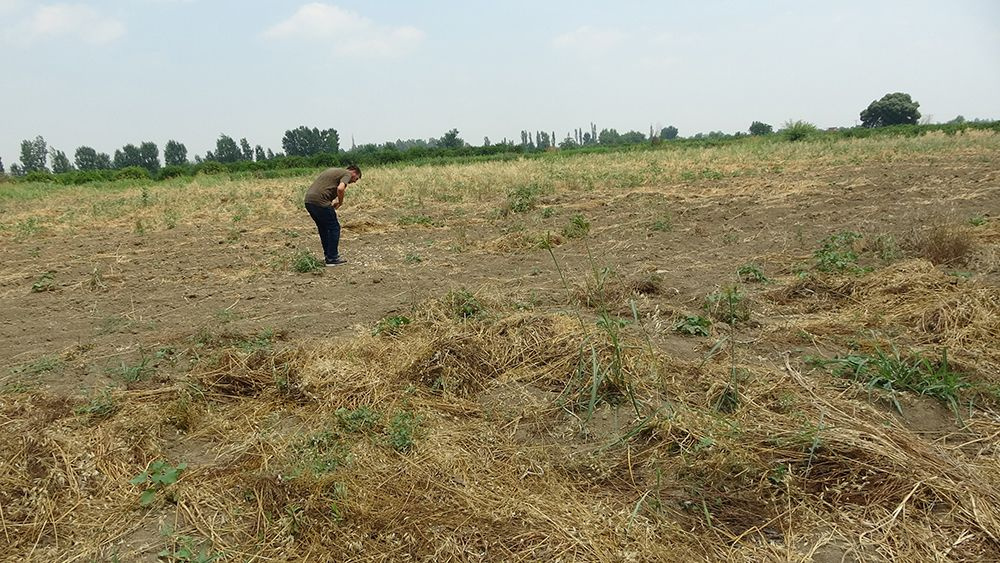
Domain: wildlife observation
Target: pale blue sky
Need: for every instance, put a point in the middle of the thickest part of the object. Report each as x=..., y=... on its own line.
x=108, y=72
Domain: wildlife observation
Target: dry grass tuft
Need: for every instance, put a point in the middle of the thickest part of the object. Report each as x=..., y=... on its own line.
x=942, y=243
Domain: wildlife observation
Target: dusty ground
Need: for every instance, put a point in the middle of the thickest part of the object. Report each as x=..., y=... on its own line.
x=118, y=298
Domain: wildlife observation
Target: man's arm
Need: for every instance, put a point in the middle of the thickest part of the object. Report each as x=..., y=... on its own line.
x=340, y=195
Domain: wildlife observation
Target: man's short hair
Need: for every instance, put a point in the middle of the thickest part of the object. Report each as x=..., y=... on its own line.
x=354, y=168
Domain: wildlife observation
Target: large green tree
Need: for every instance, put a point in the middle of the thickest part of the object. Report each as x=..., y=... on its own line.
x=668, y=133
x=893, y=109
x=760, y=128
x=85, y=158
x=609, y=137
x=451, y=140
x=60, y=162
x=175, y=154
x=149, y=157
x=226, y=150
x=128, y=155
x=303, y=141
x=246, y=149
x=34, y=155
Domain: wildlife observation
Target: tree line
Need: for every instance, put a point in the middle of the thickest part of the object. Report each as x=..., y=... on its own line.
x=313, y=147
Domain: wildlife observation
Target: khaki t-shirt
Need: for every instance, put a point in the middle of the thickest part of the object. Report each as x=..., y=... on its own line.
x=324, y=190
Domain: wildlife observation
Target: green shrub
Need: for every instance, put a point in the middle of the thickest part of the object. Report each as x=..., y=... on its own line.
x=39, y=176
x=132, y=173
x=211, y=167
x=173, y=171
x=798, y=130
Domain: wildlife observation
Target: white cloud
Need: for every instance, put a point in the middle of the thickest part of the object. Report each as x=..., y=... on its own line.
x=77, y=21
x=589, y=39
x=346, y=32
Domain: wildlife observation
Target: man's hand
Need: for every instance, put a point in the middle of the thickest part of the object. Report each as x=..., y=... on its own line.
x=336, y=205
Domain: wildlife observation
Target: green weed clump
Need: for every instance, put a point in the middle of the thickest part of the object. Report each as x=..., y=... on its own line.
x=728, y=305
x=521, y=199
x=158, y=476
x=463, y=305
x=46, y=282
x=693, y=325
x=838, y=254
x=401, y=432
x=99, y=407
x=751, y=273
x=188, y=550
x=798, y=130
x=361, y=419
x=304, y=262
x=390, y=325
x=893, y=372
x=321, y=453
x=578, y=227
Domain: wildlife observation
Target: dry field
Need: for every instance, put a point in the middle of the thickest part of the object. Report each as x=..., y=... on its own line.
x=759, y=352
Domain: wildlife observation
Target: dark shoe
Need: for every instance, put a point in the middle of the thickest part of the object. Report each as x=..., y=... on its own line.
x=336, y=262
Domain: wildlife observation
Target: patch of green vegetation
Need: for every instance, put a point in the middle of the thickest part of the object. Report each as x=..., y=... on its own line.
x=361, y=419
x=522, y=199
x=412, y=258
x=157, y=477
x=46, y=282
x=547, y=212
x=27, y=228
x=134, y=372
x=463, y=305
x=893, y=372
x=978, y=220
x=798, y=130
x=837, y=253
x=693, y=325
x=188, y=550
x=100, y=406
x=170, y=217
x=304, y=263
x=262, y=341
x=751, y=273
x=578, y=227
x=226, y=315
x=392, y=324
x=321, y=453
x=416, y=220
x=402, y=429
x=120, y=323
x=39, y=366
x=662, y=224
x=728, y=305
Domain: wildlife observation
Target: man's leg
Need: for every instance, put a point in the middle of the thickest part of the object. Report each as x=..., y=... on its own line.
x=321, y=216
x=334, y=235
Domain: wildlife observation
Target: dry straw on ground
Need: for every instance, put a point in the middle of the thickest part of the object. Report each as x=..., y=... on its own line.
x=275, y=473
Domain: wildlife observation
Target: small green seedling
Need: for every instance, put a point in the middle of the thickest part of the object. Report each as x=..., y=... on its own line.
x=44, y=283
x=157, y=477
x=693, y=325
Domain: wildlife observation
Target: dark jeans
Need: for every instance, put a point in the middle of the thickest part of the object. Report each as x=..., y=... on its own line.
x=328, y=227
